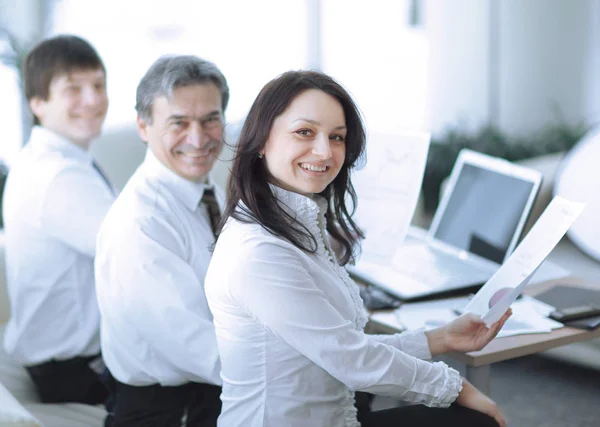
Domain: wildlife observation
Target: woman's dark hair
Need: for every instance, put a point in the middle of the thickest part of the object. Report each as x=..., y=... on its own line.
x=250, y=178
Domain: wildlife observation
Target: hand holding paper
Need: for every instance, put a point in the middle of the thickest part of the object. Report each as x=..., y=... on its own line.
x=496, y=296
x=469, y=333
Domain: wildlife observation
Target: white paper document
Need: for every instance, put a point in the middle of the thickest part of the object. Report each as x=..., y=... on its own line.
x=529, y=316
x=388, y=190
x=531, y=304
x=549, y=271
x=497, y=295
x=430, y=314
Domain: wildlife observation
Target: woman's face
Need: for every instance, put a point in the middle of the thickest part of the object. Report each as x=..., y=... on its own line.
x=306, y=147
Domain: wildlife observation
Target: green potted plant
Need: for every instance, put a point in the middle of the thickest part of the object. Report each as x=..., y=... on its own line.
x=444, y=149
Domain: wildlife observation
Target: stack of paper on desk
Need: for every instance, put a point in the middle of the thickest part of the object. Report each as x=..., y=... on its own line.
x=430, y=314
x=529, y=315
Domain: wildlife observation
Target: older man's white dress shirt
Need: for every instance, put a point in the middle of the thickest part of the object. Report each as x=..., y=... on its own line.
x=152, y=255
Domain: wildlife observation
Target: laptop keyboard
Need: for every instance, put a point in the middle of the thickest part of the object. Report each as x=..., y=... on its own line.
x=433, y=267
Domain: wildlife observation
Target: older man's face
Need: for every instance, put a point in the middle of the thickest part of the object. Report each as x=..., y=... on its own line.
x=186, y=130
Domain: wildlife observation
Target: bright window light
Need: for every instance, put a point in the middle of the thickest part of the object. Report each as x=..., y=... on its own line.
x=251, y=42
x=371, y=48
x=11, y=107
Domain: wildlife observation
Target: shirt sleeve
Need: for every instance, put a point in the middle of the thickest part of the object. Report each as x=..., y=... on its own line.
x=161, y=294
x=74, y=207
x=276, y=289
x=410, y=342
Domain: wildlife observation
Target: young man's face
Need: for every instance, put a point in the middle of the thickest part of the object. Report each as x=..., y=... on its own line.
x=76, y=105
x=186, y=130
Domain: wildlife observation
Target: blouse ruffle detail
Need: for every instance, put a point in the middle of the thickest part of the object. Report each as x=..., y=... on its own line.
x=311, y=213
x=450, y=391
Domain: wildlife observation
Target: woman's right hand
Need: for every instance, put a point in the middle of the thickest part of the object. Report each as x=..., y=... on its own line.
x=472, y=398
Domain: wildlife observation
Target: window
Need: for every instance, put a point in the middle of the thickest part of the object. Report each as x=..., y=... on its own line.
x=11, y=102
x=377, y=51
x=380, y=54
x=251, y=42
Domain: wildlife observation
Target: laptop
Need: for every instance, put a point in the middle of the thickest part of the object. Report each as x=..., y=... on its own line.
x=476, y=226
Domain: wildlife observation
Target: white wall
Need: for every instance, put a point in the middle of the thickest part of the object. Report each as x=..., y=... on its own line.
x=459, y=84
x=546, y=68
x=370, y=49
x=24, y=19
x=592, y=71
x=11, y=110
x=120, y=151
x=518, y=64
x=507, y=62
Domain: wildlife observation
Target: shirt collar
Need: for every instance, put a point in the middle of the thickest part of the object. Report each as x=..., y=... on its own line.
x=48, y=140
x=305, y=209
x=188, y=192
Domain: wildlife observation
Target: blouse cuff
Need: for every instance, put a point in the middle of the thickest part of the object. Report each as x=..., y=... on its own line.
x=415, y=343
x=450, y=390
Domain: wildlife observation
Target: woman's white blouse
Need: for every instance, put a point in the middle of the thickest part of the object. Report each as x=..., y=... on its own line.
x=290, y=334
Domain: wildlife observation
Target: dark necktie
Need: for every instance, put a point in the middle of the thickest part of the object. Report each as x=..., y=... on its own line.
x=103, y=176
x=214, y=213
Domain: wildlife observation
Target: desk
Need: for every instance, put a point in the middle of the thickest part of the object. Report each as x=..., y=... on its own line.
x=479, y=363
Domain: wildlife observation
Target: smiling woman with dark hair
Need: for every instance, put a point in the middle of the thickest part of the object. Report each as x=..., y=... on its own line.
x=289, y=320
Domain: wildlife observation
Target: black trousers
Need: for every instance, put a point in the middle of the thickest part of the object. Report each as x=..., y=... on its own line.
x=422, y=416
x=199, y=405
x=68, y=381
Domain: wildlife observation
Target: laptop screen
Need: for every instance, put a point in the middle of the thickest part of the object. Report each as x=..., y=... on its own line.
x=483, y=212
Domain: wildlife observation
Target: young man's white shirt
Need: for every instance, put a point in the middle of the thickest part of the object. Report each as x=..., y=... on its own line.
x=152, y=255
x=290, y=325
x=54, y=201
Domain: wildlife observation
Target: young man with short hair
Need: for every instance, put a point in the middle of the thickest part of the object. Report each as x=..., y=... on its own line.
x=54, y=201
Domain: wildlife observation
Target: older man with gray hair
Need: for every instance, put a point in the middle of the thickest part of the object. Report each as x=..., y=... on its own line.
x=153, y=250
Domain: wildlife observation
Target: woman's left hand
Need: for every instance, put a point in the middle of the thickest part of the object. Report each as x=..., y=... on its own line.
x=469, y=332
x=464, y=334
